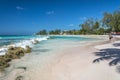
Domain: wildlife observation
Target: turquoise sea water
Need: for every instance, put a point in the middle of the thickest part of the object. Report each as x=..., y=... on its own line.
x=50, y=41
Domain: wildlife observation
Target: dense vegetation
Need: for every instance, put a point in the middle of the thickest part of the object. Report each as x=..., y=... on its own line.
x=109, y=23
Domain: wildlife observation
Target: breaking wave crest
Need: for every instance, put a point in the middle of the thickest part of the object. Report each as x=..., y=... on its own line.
x=22, y=43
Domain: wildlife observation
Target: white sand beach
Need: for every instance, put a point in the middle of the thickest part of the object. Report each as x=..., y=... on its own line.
x=75, y=63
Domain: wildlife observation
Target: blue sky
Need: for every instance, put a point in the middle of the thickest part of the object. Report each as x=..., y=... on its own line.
x=29, y=16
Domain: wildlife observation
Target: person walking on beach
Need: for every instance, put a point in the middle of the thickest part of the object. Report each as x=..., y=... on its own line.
x=110, y=36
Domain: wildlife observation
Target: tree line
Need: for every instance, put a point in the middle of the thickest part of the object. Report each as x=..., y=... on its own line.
x=109, y=23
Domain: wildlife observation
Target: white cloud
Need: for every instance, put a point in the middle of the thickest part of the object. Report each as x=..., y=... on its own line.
x=83, y=18
x=19, y=8
x=50, y=12
x=71, y=25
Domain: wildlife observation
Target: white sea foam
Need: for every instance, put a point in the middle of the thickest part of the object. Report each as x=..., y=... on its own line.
x=3, y=50
x=23, y=44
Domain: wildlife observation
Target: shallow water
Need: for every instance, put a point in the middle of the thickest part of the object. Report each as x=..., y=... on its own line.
x=45, y=51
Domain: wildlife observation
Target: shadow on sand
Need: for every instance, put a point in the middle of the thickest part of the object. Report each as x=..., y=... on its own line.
x=110, y=54
x=116, y=44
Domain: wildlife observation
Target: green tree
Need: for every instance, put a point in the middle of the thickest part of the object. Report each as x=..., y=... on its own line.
x=112, y=20
x=96, y=25
x=100, y=31
x=55, y=32
x=42, y=32
x=88, y=26
x=51, y=32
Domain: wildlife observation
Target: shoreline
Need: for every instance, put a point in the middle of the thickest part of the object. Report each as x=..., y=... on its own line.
x=70, y=64
x=73, y=65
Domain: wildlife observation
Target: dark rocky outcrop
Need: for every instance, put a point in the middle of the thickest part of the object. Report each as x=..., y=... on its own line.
x=3, y=64
x=12, y=53
x=27, y=50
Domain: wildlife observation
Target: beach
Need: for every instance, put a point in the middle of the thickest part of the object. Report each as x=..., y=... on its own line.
x=59, y=40
x=74, y=65
x=73, y=62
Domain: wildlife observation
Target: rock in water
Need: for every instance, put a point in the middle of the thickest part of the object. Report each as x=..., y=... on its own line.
x=15, y=52
x=12, y=53
x=35, y=41
x=3, y=64
x=11, y=48
x=28, y=49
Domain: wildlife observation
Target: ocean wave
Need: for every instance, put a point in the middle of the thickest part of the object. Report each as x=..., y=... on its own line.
x=23, y=44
